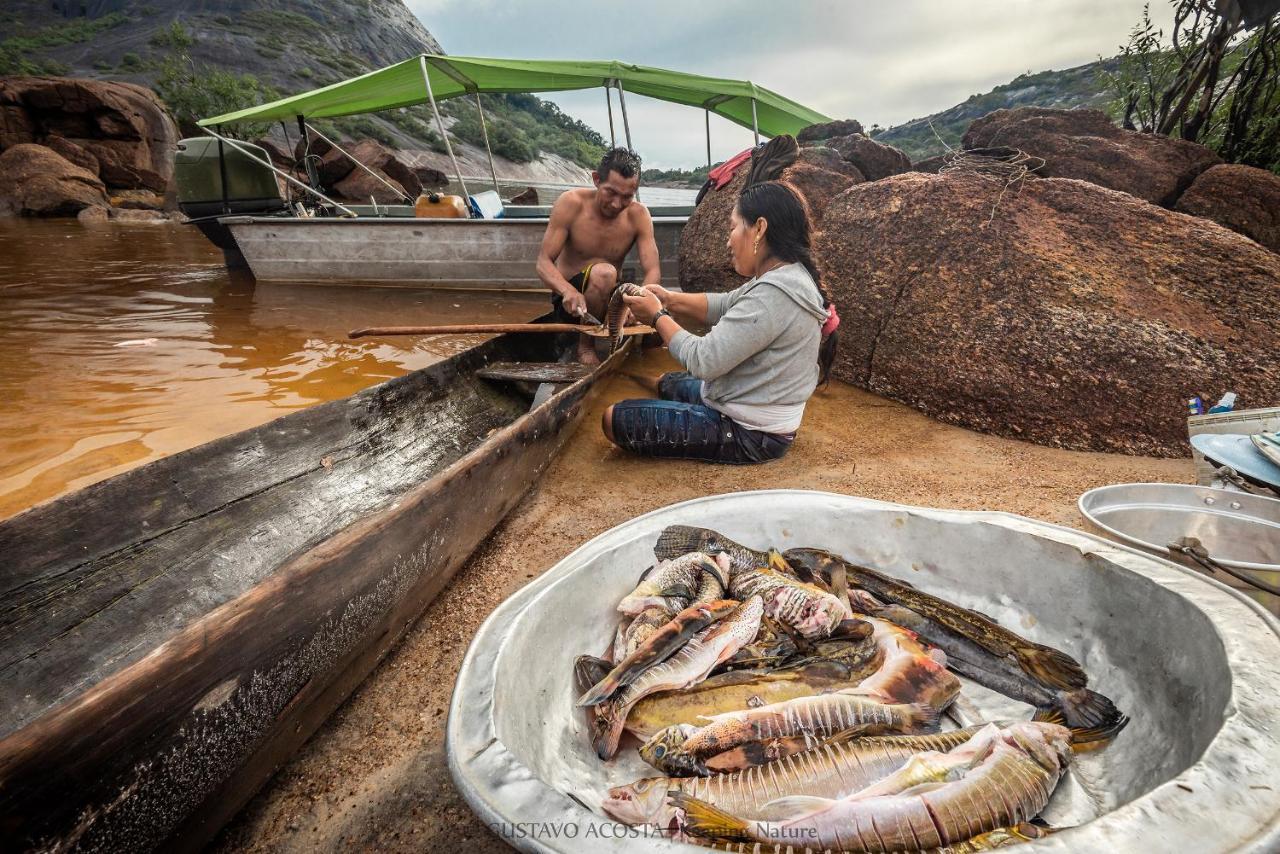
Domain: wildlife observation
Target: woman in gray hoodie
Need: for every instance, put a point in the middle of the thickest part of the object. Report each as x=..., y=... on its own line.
x=771, y=341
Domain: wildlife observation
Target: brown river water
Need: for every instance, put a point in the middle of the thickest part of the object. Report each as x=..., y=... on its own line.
x=122, y=344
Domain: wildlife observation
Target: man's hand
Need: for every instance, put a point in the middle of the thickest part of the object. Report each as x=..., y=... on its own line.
x=575, y=304
x=644, y=307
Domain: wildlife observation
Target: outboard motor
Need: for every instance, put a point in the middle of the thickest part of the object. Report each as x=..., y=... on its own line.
x=199, y=168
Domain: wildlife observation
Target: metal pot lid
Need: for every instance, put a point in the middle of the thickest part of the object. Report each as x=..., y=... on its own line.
x=1238, y=529
x=1237, y=450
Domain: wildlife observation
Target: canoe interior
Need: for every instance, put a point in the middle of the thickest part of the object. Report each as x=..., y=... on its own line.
x=96, y=580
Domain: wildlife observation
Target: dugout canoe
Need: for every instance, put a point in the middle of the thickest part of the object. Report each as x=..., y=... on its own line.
x=169, y=636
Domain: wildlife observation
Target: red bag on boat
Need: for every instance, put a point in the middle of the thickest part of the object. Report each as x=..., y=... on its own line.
x=724, y=173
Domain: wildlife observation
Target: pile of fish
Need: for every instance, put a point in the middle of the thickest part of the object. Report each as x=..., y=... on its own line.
x=794, y=701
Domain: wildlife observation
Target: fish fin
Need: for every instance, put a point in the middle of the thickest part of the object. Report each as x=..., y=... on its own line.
x=781, y=809
x=923, y=718
x=1050, y=666
x=601, y=691
x=677, y=591
x=588, y=671
x=710, y=822
x=919, y=789
x=1091, y=717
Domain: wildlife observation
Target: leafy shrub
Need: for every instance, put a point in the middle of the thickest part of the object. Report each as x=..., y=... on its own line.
x=131, y=61
x=174, y=36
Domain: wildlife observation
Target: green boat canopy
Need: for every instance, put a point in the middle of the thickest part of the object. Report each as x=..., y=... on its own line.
x=401, y=85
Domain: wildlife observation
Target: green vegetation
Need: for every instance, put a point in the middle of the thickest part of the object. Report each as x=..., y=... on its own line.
x=15, y=51
x=193, y=93
x=522, y=125
x=174, y=36
x=695, y=177
x=1211, y=82
x=131, y=62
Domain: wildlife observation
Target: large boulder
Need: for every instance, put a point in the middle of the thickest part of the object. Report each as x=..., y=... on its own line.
x=74, y=153
x=1242, y=198
x=1062, y=312
x=124, y=127
x=360, y=186
x=705, y=264
x=874, y=159
x=1085, y=144
x=814, y=134
x=35, y=181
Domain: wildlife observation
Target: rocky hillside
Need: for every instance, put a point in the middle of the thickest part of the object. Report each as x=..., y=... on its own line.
x=247, y=51
x=1082, y=86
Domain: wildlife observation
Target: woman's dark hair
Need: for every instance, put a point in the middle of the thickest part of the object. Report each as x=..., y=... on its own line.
x=788, y=240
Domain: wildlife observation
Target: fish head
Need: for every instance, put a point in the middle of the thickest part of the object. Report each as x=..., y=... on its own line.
x=665, y=749
x=717, y=566
x=643, y=802
x=1049, y=745
x=810, y=564
x=820, y=614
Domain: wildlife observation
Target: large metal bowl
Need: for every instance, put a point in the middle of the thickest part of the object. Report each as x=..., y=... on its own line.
x=1237, y=529
x=1196, y=666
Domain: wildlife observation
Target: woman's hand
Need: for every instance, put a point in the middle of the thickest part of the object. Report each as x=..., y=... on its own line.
x=644, y=307
x=663, y=295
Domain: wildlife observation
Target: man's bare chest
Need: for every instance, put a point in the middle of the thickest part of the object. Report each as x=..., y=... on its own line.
x=594, y=239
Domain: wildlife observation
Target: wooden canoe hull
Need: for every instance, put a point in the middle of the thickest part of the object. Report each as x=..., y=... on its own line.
x=164, y=750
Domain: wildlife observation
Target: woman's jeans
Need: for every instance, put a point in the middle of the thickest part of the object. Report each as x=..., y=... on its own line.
x=681, y=426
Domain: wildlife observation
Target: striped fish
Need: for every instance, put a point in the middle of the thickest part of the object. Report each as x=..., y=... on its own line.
x=617, y=312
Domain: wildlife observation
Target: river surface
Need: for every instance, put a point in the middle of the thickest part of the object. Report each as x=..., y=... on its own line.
x=121, y=344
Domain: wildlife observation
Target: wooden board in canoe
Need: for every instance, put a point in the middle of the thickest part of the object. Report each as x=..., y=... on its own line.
x=169, y=636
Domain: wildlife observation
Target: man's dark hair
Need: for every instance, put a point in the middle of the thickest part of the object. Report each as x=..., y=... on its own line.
x=624, y=161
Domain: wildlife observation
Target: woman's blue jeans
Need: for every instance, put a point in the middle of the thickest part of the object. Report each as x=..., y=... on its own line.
x=681, y=426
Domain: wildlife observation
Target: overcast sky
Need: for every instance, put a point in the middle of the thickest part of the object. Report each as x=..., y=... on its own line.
x=883, y=62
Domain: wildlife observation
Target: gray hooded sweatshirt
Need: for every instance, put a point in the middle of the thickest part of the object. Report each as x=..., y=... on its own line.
x=758, y=363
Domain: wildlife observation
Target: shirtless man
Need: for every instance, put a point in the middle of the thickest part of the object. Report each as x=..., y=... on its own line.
x=589, y=234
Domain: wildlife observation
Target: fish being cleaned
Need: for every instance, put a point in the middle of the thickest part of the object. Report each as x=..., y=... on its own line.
x=807, y=608
x=682, y=750
x=689, y=666
x=749, y=689
x=909, y=673
x=990, y=841
x=676, y=584
x=981, y=649
x=633, y=635
x=835, y=768
x=659, y=646
x=998, y=778
x=616, y=315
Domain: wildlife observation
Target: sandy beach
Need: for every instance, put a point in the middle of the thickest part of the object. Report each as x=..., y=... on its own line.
x=375, y=775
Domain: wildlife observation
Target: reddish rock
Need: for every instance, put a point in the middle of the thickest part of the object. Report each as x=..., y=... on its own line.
x=143, y=216
x=1085, y=144
x=430, y=177
x=15, y=126
x=74, y=153
x=874, y=159
x=704, y=253
x=828, y=158
x=1063, y=313
x=403, y=174
x=527, y=196
x=124, y=127
x=359, y=186
x=1242, y=198
x=829, y=130
x=137, y=200
x=278, y=156
x=930, y=165
x=333, y=165
x=35, y=181
x=93, y=215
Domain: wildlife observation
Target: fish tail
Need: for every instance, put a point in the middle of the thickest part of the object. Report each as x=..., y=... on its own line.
x=1092, y=718
x=921, y=717
x=588, y=671
x=703, y=819
x=677, y=540
x=601, y=691
x=1051, y=667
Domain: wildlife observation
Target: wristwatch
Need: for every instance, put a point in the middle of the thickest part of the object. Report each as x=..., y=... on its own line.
x=662, y=312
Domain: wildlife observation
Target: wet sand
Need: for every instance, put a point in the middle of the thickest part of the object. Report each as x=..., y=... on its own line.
x=375, y=775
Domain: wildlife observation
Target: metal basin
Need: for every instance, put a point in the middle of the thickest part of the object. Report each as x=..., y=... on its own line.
x=1196, y=666
x=1238, y=529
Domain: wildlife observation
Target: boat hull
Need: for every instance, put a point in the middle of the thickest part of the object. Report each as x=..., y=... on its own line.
x=160, y=748
x=495, y=254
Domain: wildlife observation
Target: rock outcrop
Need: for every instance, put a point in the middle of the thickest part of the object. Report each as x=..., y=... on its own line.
x=1242, y=198
x=814, y=134
x=873, y=159
x=36, y=181
x=1063, y=313
x=123, y=127
x=360, y=187
x=704, y=256
x=1085, y=144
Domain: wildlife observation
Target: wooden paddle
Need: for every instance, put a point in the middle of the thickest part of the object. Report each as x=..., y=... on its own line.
x=477, y=328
